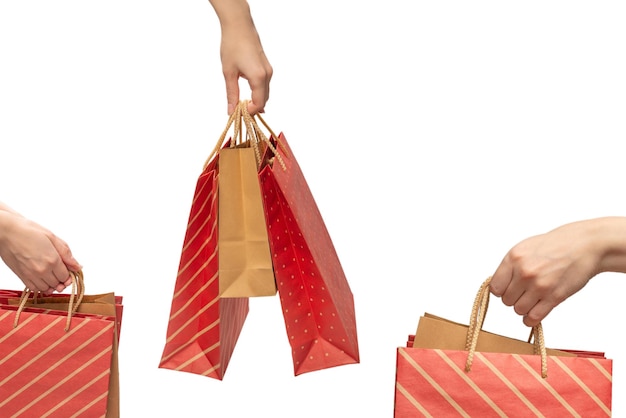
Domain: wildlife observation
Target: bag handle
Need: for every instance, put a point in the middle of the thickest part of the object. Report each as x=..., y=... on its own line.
x=76, y=297
x=272, y=134
x=233, y=119
x=254, y=134
x=259, y=136
x=477, y=319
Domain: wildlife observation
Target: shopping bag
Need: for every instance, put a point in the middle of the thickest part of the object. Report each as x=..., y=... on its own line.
x=108, y=304
x=202, y=328
x=316, y=299
x=449, y=369
x=59, y=359
x=245, y=263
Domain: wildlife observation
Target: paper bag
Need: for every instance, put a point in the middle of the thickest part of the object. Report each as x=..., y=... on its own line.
x=58, y=359
x=317, y=302
x=108, y=304
x=245, y=263
x=449, y=369
x=203, y=328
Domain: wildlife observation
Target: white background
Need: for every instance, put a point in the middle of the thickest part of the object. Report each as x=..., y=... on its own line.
x=434, y=136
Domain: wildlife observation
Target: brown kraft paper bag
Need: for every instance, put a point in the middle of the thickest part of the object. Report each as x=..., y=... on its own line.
x=245, y=262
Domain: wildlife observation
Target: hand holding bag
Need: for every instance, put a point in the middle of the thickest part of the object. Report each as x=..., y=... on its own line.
x=449, y=369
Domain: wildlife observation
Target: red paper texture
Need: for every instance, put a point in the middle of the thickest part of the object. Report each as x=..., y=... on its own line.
x=12, y=297
x=203, y=328
x=48, y=372
x=317, y=302
x=434, y=383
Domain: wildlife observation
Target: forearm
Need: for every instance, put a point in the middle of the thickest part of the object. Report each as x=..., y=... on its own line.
x=9, y=225
x=232, y=13
x=5, y=218
x=607, y=235
x=7, y=208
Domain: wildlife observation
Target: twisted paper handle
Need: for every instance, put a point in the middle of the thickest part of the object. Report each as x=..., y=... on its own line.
x=272, y=134
x=254, y=134
x=258, y=134
x=234, y=119
x=76, y=297
x=477, y=319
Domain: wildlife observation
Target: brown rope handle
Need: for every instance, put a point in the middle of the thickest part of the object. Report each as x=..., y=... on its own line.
x=234, y=120
x=273, y=135
x=477, y=319
x=254, y=135
x=479, y=309
x=259, y=136
x=251, y=134
x=540, y=348
x=76, y=297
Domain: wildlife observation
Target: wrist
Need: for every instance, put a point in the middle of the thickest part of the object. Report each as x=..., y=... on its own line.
x=232, y=13
x=607, y=238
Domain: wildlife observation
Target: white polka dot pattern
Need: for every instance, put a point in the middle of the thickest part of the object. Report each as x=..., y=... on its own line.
x=317, y=302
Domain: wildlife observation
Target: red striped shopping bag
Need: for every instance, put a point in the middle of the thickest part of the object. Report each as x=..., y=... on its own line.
x=56, y=362
x=453, y=370
x=203, y=327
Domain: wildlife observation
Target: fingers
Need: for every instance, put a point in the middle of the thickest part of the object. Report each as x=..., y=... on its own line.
x=57, y=278
x=48, y=286
x=39, y=258
x=507, y=285
x=260, y=91
x=59, y=288
x=43, y=286
x=67, y=258
x=260, y=88
x=255, y=68
x=65, y=263
x=526, y=301
x=501, y=278
x=232, y=91
x=36, y=284
x=255, y=107
x=538, y=313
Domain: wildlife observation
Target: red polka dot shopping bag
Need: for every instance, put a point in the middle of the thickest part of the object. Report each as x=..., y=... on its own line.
x=317, y=303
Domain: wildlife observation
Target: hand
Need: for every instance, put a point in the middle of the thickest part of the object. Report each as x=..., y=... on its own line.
x=37, y=256
x=242, y=55
x=542, y=271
